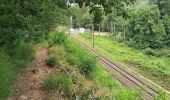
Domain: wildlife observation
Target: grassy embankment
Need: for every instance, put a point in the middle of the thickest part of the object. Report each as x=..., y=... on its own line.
x=12, y=63
x=154, y=64
x=79, y=75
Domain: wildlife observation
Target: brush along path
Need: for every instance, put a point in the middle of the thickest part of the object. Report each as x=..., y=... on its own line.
x=30, y=86
x=125, y=76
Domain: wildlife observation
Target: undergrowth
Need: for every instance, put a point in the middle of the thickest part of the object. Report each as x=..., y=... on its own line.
x=86, y=77
x=153, y=64
x=12, y=63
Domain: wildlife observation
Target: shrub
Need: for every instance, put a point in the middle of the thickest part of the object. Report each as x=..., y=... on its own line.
x=51, y=60
x=6, y=76
x=59, y=82
x=145, y=28
x=149, y=51
x=119, y=37
x=166, y=22
x=22, y=55
x=56, y=38
x=23, y=51
x=161, y=96
x=87, y=64
x=57, y=56
x=80, y=57
x=12, y=65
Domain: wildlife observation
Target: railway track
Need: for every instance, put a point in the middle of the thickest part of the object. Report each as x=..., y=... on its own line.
x=125, y=76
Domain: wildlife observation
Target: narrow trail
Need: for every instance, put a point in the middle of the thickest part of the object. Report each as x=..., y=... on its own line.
x=30, y=85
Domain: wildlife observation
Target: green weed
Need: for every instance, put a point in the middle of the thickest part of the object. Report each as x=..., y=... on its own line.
x=58, y=82
x=80, y=57
x=56, y=38
x=57, y=56
x=6, y=76
x=12, y=65
x=155, y=63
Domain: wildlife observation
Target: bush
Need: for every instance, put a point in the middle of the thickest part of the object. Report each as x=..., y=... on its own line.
x=87, y=64
x=51, y=61
x=145, y=28
x=6, y=76
x=148, y=51
x=12, y=65
x=80, y=57
x=57, y=56
x=56, y=38
x=166, y=22
x=59, y=82
x=22, y=54
x=119, y=37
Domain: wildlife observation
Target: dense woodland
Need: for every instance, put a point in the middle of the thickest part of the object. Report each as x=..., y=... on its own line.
x=24, y=24
x=32, y=20
x=146, y=23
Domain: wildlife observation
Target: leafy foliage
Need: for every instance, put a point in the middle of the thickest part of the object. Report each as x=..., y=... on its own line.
x=164, y=6
x=12, y=65
x=87, y=79
x=56, y=38
x=28, y=20
x=84, y=60
x=106, y=4
x=166, y=21
x=144, y=24
x=97, y=10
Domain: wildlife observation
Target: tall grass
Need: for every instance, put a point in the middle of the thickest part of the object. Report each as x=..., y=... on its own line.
x=153, y=64
x=80, y=57
x=88, y=77
x=12, y=63
x=6, y=76
x=58, y=82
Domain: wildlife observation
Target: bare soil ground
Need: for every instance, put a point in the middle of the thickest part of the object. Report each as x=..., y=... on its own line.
x=30, y=85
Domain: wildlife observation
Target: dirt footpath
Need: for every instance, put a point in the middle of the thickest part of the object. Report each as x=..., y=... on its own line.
x=30, y=85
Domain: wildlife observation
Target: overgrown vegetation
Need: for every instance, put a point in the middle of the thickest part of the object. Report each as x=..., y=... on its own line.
x=144, y=24
x=87, y=79
x=153, y=64
x=59, y=82
x=25, y=23
x=12, y=65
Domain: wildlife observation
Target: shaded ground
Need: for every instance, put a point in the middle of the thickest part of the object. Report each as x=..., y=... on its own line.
x=30, y=85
